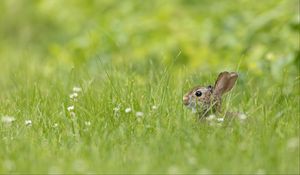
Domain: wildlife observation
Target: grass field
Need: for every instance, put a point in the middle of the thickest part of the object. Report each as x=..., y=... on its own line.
x=96, y=87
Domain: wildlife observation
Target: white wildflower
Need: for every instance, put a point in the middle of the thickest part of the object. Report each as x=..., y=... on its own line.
x=70, y=108
x=211, y=117
x=116, y=109
x=55, y=125
x=72, y=114
x=139, y=114
x=127, y=110
x=8, y=119
x=77, y=89
x=154, y=107
x=28, y=122
x=220, y=119
x=87, y=123
x=73, y=95
x=243, y=116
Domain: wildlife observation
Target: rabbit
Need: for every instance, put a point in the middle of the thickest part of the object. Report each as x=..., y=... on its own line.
x=206, y=100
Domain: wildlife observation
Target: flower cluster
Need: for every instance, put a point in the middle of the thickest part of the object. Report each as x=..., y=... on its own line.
x=8, y=120
x=73, y=96
x=28, y=122
x=138, y=114
x=72, y=107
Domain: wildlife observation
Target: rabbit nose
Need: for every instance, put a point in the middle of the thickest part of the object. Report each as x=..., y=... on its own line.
x=185, y=100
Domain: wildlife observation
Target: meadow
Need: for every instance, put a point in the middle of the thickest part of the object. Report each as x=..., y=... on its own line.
x=96, y=86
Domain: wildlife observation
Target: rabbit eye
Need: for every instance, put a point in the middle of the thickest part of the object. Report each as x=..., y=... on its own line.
x=198, y=93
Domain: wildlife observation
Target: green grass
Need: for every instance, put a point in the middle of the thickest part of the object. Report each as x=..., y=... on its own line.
x=138, y=54
x=168, y=139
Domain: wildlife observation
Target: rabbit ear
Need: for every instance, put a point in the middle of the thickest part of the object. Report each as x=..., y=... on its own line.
x=231, y=82
x=225, y=82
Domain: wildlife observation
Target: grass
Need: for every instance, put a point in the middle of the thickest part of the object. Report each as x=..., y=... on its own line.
x=166, y=140
x=139, y=54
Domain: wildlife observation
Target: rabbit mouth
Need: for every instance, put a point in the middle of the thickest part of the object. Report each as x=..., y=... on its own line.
x=193, y=105
x=189, y=102
x=197, y=106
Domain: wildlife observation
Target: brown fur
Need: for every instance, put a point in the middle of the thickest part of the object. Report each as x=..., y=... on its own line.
x=210, y=100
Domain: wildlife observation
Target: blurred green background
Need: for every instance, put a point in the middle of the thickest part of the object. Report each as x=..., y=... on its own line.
x=260, y=37
x=141, y=53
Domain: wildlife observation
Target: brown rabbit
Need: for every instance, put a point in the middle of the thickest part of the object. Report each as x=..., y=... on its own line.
x=206, y=100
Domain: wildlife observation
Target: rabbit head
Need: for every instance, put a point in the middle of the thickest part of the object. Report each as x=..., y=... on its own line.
x=207, y=99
